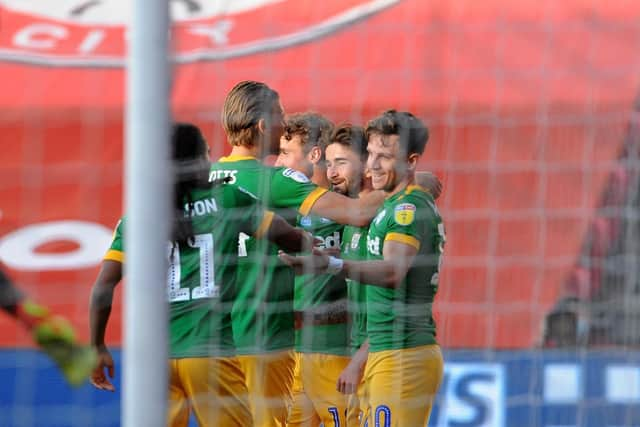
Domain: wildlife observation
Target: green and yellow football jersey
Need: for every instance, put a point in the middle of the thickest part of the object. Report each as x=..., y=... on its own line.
x=201, y=282
x=354, y=247
x=402, y=317
x=262, y=313
x=321, y=299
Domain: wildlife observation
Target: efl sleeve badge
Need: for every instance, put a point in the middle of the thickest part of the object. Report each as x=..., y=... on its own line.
x=404, y=213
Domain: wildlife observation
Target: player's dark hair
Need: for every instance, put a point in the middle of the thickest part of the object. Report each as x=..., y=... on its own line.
x=351, y=136
x=314, y=130
x=412, y=131
x=247, y=103
x=190, y=171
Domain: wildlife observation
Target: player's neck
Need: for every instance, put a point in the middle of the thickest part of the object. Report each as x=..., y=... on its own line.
x=244, y=151
x=399, y=187
x=319, y=177
x=364, y=188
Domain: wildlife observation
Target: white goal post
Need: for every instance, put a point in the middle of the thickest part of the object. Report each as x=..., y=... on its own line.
x=147, y=205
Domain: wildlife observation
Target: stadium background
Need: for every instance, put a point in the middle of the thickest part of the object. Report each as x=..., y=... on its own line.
x=530, y=106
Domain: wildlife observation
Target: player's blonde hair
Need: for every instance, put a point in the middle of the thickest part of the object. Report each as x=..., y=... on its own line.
x=245, y=105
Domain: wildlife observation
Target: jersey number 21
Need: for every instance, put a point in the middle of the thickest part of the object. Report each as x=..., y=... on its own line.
x=207, y=287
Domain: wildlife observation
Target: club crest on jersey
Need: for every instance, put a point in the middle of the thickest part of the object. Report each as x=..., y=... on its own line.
x=404, y=213
x=295, y=175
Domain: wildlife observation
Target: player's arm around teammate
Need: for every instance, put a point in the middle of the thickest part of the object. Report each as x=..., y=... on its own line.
x=388, y=272
x=404, y=249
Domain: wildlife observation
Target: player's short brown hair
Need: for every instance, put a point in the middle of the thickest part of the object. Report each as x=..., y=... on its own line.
x=412, y=131
x=351, y=136
x=247, y=103
x=314, y=130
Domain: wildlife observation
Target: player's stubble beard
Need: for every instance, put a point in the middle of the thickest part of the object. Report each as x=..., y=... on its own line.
x=396, y=178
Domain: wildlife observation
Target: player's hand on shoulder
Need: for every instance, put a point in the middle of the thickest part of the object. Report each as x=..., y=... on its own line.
x=105, y=363
x=430, y=182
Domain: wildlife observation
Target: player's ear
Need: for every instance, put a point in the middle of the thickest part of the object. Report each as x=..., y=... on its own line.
x=412, y=161
x=261, y=126
x=315, y=154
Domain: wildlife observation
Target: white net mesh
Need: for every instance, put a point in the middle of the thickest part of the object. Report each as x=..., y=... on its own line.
x=533, y=133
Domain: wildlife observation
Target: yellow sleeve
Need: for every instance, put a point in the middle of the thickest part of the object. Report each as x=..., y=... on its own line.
x=114, y=255
x=306, y=206
x=403, y=238
x=264, y=225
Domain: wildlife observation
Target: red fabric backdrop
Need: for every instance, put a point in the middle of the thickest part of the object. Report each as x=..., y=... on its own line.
x=527, y=103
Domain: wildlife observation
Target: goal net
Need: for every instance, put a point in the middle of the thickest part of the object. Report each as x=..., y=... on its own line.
x=533, y=132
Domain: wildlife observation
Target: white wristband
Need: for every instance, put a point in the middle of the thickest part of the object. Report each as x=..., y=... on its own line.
x=335, y=265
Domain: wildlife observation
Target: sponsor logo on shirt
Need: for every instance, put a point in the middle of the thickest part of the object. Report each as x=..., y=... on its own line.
x=404, y=213
x=373, y=245
x=330, y=241
x=355, y=240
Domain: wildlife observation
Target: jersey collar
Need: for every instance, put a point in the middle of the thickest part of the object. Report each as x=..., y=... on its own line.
x=414, y=187
x=411, y=188
x=236, y=158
